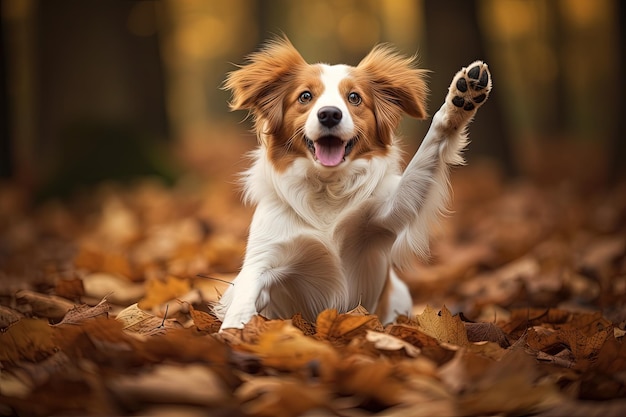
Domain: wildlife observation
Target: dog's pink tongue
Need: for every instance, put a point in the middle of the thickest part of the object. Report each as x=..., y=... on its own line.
x=329, y=151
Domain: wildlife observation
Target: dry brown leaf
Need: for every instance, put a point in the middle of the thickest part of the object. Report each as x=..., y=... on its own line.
x=159, y=292
x=72, y=289
x=387, y=342
x=49, y=306
x=460, y=372
x=204, y=321
x=281, y=397
x=101, y=339
x=93, y=257
x=83, y=312
x=253, y=329
x=540, y=338
x=136, y=320
x=572, y=408
x=588, y=323
x=305, y=327
x=559, y=360
x=8, y=316
x=444, y=327
x=508, y=386
x=371, y=380
x=584, y=348
x=29, y=339
x=489, y=332
x=524, y=318
x=194, y=384
x=285, y=347
x=342, y=328
x=115, y=288
x=187, y=346
x=324, y=323
x=429, y=346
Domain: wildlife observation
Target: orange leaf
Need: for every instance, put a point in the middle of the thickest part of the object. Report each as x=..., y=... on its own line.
x=159, y=292
x=344, y=327
x=285, y=347
x=204, y=321
x=29, y=339
x=280, y=397
x=445, y=327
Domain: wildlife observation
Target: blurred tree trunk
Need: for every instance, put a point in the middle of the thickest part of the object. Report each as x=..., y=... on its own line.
x=454, y=40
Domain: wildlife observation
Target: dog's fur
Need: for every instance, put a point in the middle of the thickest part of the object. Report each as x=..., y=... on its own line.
x=334, y=212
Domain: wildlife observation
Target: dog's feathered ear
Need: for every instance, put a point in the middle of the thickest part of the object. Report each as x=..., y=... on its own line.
x=260, y=84
x=397, y=85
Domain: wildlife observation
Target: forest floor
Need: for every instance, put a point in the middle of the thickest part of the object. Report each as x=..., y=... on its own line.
x=105, y=310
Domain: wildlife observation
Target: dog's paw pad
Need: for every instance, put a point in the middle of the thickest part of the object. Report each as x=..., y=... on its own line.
x=461, y=85
x=471, y=86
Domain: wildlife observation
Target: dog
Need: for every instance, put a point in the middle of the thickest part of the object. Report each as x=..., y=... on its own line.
x=335, y=215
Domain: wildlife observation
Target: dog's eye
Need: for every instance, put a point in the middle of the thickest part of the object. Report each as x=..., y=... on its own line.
x=354, y=99
x=305, y=97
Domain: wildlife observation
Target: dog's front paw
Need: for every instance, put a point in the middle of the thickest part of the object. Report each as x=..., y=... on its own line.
x=470, y=87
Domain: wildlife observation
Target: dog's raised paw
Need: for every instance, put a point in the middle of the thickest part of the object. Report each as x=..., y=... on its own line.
x=470, y=86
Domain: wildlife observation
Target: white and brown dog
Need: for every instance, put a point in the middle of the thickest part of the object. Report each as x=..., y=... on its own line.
x=335, y=214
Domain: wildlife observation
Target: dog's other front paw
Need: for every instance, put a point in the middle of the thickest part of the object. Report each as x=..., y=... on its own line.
x=470, y=87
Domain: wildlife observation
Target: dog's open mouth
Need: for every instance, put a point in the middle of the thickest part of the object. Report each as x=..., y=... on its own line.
x=330, y=151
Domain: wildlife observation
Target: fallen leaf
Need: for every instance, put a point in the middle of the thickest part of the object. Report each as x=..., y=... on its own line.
x=584, y=348
x=29, y=339
x=281, y=397
x=194, y=384
x=136, y=320
x=8, y=316
x=510, y=386
x=204, y=321
x=429, y=346
x=159, y=292
x=479, y=332
x=305, y=327
x=612, y=356
x=285, y=347
x=387, y=342
x=524, y=318
x=101, y=339
x=94, y=257
x=342, y=328
x=444, y=327
x=71, y=289
x=117, y=289
x=83, y=312
x=371, y=380
x=588, y=323
x=49, y=306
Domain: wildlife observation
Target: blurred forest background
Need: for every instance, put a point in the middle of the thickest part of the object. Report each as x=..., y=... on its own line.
x=113, y=89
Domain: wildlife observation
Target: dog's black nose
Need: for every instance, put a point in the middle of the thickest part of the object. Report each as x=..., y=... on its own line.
x=329, y=116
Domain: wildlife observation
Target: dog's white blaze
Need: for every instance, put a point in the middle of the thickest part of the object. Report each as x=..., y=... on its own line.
x=331, y=76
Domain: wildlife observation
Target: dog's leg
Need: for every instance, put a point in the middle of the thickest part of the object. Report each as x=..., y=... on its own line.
x=423, y=189
x=297, y=275
x=395, y=299
x=239, y=303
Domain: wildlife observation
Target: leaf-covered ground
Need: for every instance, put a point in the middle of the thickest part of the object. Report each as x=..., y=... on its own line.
x=105, y=310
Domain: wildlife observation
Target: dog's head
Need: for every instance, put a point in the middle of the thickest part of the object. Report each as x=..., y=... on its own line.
x=331, y=114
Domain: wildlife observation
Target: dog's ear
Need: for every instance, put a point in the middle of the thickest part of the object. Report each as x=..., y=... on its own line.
x=261, y=83
x=397, y=85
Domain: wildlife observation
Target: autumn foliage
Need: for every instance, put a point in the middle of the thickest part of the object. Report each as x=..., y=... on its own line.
x=105, y=309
